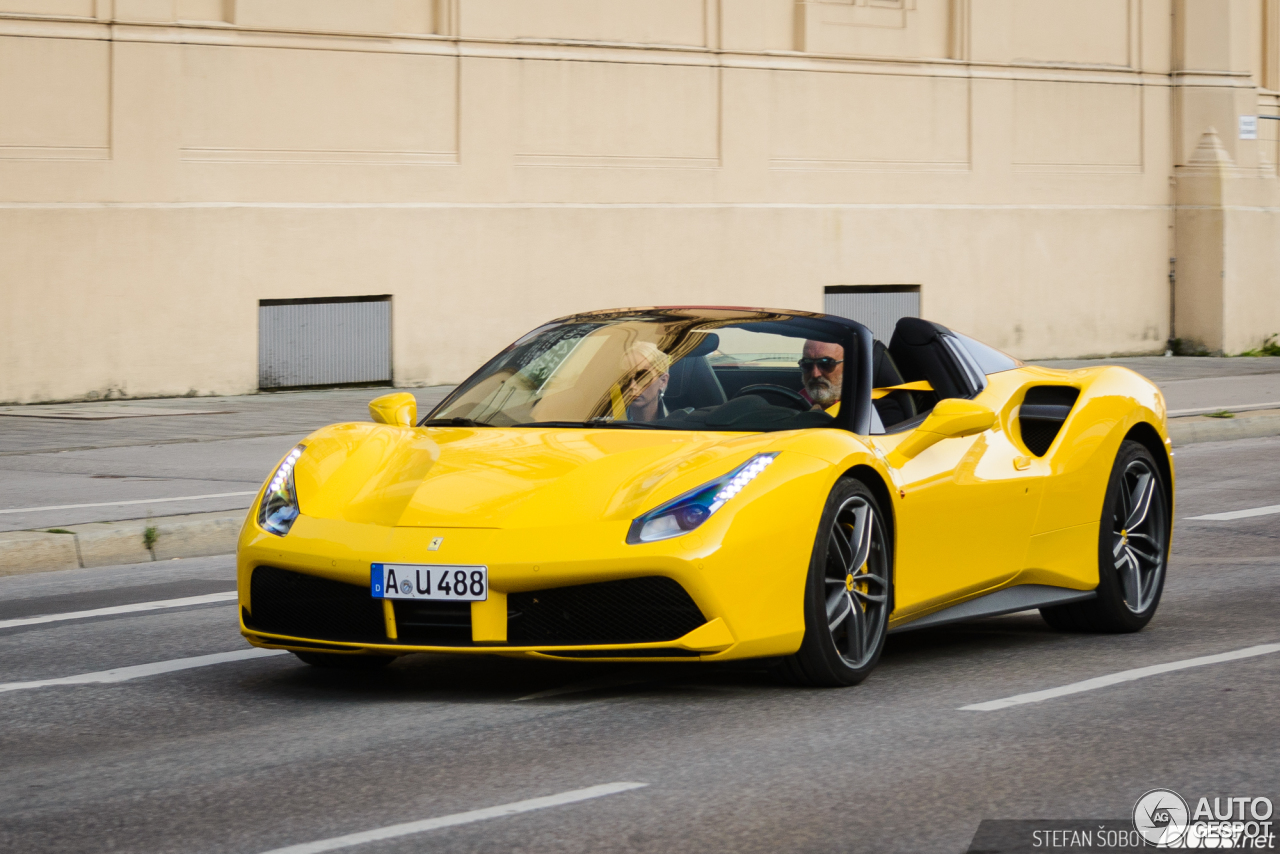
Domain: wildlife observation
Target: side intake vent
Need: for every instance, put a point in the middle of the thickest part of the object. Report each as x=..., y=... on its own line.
x=1041, y=415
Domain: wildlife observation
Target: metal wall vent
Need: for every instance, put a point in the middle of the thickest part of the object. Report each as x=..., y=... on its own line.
x=324, y=342
x=877, y=307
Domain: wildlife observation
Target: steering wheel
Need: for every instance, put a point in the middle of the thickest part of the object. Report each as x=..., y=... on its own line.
x=790, y=397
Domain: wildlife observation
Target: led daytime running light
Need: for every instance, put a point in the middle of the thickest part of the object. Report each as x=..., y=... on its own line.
x=688, y=511
x=286, y=470
x=744, y=476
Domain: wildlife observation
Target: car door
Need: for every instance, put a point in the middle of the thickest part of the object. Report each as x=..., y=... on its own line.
x=967, y=504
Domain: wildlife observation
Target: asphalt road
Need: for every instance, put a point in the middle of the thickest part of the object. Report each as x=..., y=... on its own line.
x=257, y=754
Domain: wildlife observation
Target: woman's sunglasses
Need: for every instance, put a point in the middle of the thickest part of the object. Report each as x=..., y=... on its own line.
x=826, y=364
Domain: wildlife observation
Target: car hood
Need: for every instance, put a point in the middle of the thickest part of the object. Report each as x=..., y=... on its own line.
x=456, y=477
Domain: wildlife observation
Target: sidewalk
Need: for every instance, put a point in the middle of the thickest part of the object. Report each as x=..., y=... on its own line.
x=102, y=474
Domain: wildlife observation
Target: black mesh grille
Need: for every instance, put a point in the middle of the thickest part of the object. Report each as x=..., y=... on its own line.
x=307, y=606
x=433, y=622
x=1039, y=435
x=636, y=610
x=1042, y=414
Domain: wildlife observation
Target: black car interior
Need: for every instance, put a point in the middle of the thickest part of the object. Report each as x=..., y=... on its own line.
x=917, y=351
x=693, y=384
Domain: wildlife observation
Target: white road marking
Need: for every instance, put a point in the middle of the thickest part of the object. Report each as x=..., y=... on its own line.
x=396, y=830
x=1236, y=514
x=120, y=609
x=124, y=674
x=123, y=503
x=1122, y=676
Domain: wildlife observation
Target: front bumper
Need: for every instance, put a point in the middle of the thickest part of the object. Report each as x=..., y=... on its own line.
x=746, y=590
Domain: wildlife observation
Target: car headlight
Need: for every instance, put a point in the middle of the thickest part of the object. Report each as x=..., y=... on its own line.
x=681, y=515
x=280, y=502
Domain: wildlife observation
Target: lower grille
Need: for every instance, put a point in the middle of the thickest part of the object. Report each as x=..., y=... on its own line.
x=634, y=610
x=307, y=606
x=433, y=622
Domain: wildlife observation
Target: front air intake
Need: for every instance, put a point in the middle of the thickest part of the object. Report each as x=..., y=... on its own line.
x=635, y=610
x=308, y=606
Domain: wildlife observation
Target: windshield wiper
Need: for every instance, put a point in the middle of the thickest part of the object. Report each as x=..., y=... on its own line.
x=624, y=425
x=453, y=422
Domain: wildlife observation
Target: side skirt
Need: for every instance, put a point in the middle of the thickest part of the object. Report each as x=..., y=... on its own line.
x=1010, y=600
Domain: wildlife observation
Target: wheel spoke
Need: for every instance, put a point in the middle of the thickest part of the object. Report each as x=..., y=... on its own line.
x=1155, y=544
x=843, y=548
x=838, y=604
x=1131, y=579
x=1143, y=492
x=863, y=532
x=858, y=578
x=1149, y=558
x=856, y=642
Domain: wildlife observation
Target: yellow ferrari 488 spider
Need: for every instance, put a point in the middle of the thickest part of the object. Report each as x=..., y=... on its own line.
x=707, y=484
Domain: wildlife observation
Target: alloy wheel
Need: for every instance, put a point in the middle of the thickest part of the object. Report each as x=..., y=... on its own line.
x=857, y=581
x=1139, y=536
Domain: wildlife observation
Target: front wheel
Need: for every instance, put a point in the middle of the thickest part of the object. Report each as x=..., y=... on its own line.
x=848, y=592
x=1133, y=549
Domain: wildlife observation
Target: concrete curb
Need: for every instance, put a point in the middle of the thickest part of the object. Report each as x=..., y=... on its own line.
x=1245, y=425
x=205, y=534
x=114, y=543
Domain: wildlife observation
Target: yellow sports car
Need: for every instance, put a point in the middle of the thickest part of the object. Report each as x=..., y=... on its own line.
x=707, y=484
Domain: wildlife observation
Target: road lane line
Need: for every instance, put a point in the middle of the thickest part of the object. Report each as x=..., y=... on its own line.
x=1117, y=678
x=397, y=830
x=123, y=503
x=120, y=609
x=1236, y=514
x=124, y=674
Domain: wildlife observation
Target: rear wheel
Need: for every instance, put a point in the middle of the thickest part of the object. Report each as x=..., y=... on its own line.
x=847, y=595
x=1133, y=549
x=340, y=661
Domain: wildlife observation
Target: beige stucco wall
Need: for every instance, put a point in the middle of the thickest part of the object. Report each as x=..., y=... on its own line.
x=165, y=164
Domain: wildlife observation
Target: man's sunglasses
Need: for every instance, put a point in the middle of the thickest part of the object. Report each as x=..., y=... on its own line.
x=826, y=364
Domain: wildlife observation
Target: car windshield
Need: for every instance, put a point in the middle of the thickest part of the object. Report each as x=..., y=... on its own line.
x=674, y=369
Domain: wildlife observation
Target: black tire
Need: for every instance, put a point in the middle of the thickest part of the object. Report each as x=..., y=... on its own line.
x=345, y=661
x=841, y=647
x=1133, y=550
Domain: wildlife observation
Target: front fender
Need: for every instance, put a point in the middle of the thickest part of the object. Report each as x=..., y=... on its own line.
x=1112, y=402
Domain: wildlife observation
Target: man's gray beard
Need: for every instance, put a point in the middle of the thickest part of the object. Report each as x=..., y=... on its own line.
x=822, y=391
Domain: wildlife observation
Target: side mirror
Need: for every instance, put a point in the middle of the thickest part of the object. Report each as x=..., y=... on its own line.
x=950, y=419
x=398, y=410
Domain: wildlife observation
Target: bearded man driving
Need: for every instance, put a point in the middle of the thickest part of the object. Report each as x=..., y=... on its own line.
x=822, y=366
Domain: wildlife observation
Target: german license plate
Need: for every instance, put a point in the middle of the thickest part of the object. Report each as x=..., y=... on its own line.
x=437, y=582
